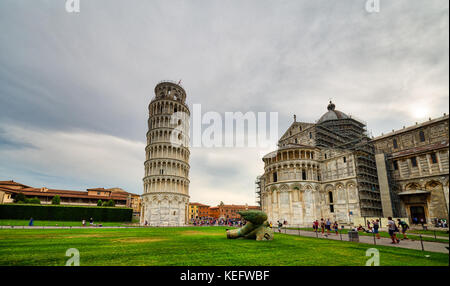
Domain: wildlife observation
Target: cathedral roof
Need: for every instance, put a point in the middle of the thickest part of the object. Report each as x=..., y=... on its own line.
x=288, y=146
x=332, y=114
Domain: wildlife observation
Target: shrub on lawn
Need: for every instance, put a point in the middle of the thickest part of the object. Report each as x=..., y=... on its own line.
x=64, y=213
x=19, y=198
x=34, y=201
x=109, y=203
x=99, y=203
x=56, y=200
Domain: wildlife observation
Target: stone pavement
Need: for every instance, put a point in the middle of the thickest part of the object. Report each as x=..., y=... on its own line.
x=411, y=244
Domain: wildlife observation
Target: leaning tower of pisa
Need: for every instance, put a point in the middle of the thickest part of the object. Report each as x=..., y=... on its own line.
x=166, y=181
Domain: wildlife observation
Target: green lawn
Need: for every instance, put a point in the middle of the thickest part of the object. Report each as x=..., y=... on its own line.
x=17, y=222
x=411, y=236
x=190, y=246
x=429, y=232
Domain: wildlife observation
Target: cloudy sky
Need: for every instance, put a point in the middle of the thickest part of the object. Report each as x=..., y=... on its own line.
x=74, y=87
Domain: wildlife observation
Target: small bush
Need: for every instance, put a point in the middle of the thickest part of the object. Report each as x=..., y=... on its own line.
x=56, y=200
x=99, y=203
x=109, y=203
x=34, y=201
x=19, y=198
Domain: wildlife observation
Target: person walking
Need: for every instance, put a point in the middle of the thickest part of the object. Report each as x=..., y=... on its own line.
x=404, y=226
x=336, y=227
x=376, y=226
x=422, y=222
x=392, y=228
x=322, y=226
x=280, y=224
x=31, y=222
x=328, y=226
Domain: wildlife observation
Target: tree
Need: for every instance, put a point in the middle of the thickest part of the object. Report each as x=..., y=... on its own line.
x=56, y=200
x=19, y=198
x=109, y=203
x=99, y=203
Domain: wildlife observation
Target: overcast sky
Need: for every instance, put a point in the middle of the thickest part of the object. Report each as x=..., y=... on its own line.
x=74, y=87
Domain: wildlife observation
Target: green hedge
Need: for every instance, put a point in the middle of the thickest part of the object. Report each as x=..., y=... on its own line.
x=64, y=213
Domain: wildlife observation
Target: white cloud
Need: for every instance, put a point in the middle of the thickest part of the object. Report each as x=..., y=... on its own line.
x=91, y=159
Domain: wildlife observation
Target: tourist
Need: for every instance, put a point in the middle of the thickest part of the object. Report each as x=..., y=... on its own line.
x=415, y=220
x=368, y=225
x=361, y=228
x=279, y=226
x=422, y=222
x=328, y=226
x=83, y=222
x=91, y=221
x=392, y=228
x=322, y=226
x=31, y=223
x=336, y=227
x=376, y=226
x=404, y=226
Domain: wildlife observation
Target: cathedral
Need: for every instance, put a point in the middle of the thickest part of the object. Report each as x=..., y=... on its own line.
x=324, y=170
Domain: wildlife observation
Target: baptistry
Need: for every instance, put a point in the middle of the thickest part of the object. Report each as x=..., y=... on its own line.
x=166, y=181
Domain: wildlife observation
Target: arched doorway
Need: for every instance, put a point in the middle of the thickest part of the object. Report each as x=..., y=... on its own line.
x=417, y=214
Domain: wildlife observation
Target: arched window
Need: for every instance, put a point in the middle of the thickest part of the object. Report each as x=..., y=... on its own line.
x=275, y=178
x=303, y=175
x=330, y=197
x=394, y=142
x=422, y=136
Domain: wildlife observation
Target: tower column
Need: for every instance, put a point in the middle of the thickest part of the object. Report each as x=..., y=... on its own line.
x=166, y=192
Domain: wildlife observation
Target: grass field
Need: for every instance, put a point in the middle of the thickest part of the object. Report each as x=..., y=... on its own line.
x=429, y=232
x=191, y=246
x=410, y=235
x=17, y=222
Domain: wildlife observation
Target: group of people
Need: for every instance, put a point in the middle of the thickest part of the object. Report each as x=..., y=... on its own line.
x=217, y=222
x=91, y=222
x=440, y=223
x=326, y=225
x=372, y=227
x=393, y=229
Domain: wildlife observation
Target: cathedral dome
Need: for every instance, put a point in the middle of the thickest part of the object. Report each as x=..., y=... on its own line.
x=332, y=114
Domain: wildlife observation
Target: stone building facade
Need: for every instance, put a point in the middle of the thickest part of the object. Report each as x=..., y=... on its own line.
x=166, y=182
x=413, y=169
x=321, y=170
